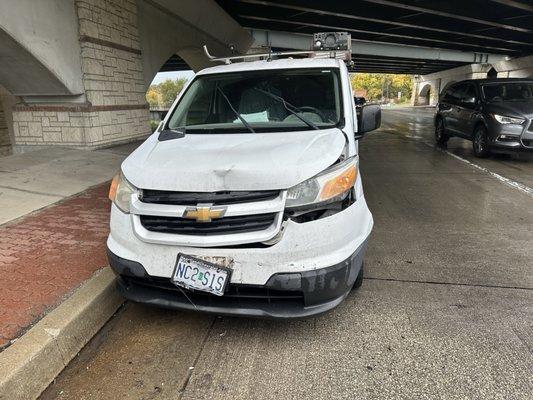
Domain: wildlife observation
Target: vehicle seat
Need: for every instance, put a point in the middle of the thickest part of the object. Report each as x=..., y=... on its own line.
x=253, y=101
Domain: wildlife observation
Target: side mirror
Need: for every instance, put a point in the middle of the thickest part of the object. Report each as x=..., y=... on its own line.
x=368, y=119
x=359, y=101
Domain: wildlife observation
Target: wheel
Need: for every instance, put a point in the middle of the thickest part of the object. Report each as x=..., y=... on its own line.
x=441, y=137
x=359, y=280
x=481, y=142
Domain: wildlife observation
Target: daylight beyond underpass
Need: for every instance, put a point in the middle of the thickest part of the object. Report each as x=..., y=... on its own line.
x=444, y=311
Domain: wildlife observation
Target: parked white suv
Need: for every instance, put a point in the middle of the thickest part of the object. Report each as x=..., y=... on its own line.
x=248, y=199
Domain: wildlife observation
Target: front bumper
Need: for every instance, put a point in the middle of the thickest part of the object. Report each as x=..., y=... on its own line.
x=284, y=295
x=510, y=147
x=519, y=137
x=303, y=247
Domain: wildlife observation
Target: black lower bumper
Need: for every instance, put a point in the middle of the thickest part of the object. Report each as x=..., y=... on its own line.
x=285, y=295
x=499, y=147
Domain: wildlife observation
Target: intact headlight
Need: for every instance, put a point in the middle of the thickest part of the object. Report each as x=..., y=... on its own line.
x=502, y=119
x=331, y=185
x=120, y=192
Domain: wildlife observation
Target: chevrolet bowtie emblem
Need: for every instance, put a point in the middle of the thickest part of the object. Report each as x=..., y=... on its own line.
x=204, y=212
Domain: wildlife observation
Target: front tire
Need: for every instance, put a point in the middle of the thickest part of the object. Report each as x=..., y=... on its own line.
x=480, y=143
x=441, y=137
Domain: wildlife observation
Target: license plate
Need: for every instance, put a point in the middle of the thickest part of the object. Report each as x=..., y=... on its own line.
x=226, y=262
x=194, y=273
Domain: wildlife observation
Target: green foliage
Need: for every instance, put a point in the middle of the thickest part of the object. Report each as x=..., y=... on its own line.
x=163, y=94
x=378, y=86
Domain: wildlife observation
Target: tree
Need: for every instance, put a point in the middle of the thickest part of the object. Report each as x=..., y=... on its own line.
x=163, y=94
x=380, y=86
x=170, y=89
x=153, y=97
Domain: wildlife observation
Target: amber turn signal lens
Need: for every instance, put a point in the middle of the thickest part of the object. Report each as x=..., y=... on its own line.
x=339, y=184
x=113, y=188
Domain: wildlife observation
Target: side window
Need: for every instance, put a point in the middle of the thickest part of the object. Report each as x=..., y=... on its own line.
x=469, y=96
x=457, y=93
x=447, y=95
x=200, y=109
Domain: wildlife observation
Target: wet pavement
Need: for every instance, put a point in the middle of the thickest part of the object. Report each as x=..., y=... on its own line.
x=418, y=125
x=445, y=311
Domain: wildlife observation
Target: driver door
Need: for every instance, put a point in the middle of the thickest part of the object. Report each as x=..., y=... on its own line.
x=451, y=106
x=466, y=113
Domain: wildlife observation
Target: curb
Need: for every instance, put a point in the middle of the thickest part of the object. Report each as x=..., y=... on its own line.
x=29, y=365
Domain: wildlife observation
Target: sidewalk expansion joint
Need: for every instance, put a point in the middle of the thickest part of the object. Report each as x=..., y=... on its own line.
x=447, y=283
x=193, y=366
x=31, y=191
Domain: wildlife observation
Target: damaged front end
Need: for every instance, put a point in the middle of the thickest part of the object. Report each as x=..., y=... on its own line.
x=284, y=295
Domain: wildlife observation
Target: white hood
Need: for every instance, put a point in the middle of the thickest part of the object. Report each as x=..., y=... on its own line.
x=218, y=162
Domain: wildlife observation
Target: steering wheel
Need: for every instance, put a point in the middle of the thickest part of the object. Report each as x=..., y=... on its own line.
x=314, y=111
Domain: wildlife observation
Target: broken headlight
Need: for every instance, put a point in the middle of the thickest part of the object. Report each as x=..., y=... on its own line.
x=332, y=185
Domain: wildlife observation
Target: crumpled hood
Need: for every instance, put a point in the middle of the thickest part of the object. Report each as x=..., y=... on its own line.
x=218, y=162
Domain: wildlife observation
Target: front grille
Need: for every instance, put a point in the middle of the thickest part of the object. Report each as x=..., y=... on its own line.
x=241, y=293
x=226, y=225
x=216, y=198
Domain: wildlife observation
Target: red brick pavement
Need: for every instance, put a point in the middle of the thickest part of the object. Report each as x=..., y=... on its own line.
x=47, y=254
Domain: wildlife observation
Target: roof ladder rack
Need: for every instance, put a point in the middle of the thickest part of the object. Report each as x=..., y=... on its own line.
x=325, y=45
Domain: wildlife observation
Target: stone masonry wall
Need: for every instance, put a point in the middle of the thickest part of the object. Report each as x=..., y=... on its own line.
x=115, y=109
x=45, y=125
x=112, y=74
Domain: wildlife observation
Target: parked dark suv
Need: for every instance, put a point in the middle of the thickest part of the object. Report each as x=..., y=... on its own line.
x=495, y=114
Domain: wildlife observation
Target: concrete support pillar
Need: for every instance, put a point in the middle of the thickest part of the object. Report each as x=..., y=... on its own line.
x=112, y=108
x=425, y=92
x=414, y=93
x=6, y=122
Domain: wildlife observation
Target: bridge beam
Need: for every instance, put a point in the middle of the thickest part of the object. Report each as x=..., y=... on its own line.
x=297, y=41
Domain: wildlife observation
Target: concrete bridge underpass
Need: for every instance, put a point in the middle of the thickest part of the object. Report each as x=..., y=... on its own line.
x=75, y=72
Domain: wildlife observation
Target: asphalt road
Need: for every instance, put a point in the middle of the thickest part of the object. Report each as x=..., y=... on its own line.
x=445, y=311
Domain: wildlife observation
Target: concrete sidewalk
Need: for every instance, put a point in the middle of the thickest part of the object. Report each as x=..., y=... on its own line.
x=37, y=179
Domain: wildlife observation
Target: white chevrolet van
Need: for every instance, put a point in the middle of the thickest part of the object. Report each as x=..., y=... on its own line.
x=248, y=199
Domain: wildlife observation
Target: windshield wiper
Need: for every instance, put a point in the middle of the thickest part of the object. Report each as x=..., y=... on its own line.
x=289, y=107
x=246, y=124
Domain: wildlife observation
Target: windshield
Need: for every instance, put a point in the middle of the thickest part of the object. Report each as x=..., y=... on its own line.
x=259, y=101
x=515, y=91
